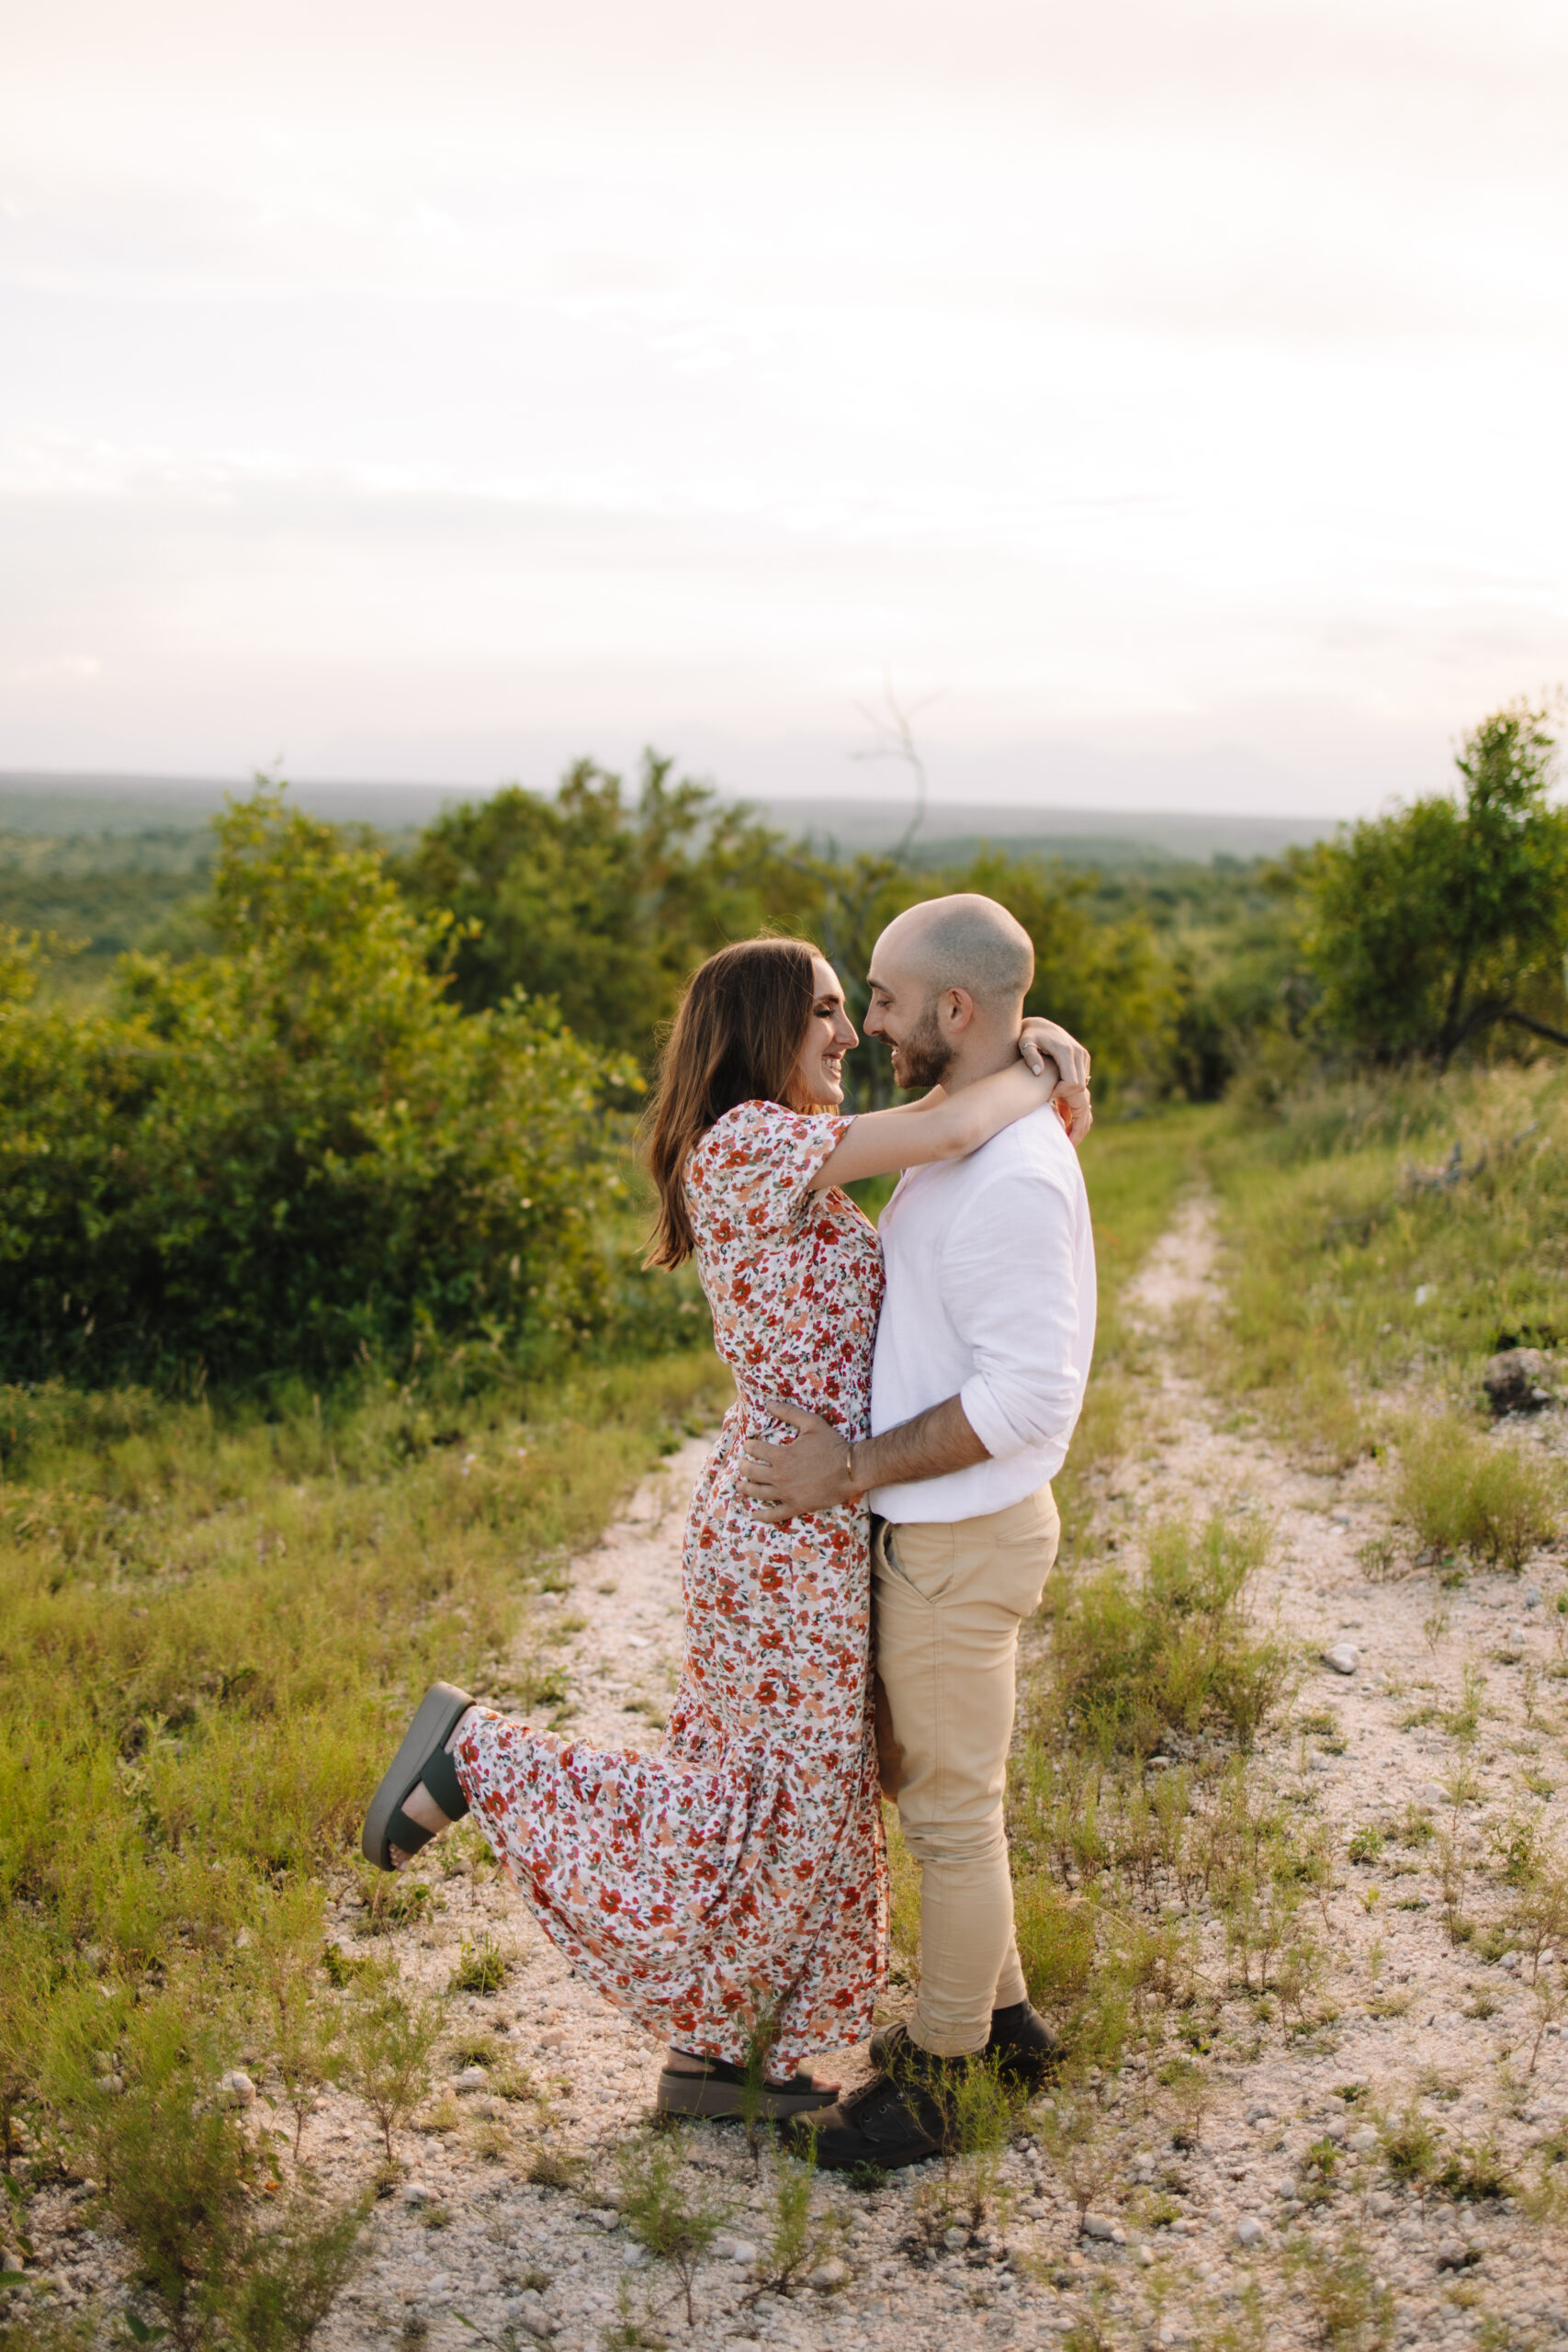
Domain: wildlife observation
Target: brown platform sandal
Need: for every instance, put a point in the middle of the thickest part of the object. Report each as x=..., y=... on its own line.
x=720, y=2090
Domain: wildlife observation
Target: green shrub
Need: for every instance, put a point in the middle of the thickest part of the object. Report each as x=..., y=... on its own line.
x=1431, y=924
x=984, y=2108
x=1056, y=1943
x=392, y=2035
x=27, y=1970
x=1474, y=2172
x=136, y=2083
x=797, y=2239
x=1460, y=1491
x=482, y=1967
x=305, y=2022
x=1354, y=2308
x=666, y=2209
x=174, y=2166
x=293, y=2274
x=1130, y=1661
x=297, y=1150
x=599, y=901
x=1410, y=2146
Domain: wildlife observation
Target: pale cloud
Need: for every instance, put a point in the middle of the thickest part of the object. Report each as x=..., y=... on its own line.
x=1160, y=381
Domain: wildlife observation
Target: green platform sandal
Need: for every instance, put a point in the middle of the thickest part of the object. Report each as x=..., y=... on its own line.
x=422, y=1757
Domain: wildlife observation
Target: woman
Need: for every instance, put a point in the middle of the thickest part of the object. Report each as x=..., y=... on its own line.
x=731, y=1891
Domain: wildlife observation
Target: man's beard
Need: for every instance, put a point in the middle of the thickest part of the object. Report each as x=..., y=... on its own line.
x=925, y=1054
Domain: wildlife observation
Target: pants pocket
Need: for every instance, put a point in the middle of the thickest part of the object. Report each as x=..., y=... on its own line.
x=921, y=1557
x=1022, y=1565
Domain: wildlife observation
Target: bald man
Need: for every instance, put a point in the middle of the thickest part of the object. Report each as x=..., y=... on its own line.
x=982, y=1354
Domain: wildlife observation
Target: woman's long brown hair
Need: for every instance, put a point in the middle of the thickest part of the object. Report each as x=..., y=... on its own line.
x=736, y=1038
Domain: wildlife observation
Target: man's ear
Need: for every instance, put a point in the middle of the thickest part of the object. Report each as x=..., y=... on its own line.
x=957, y=1010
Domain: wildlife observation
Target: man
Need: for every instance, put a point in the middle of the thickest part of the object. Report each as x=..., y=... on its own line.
x=982, y=1354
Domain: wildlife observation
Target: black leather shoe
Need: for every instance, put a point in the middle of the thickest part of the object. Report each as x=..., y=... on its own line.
x=885, y=2123
x=1025, y=2049
x=1023, y=2045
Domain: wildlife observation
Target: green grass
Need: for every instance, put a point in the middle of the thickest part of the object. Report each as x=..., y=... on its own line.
x=209, y=1633
x=1132, y=1659
x=1496, y=1500
x=1134, y=1170
x=1333, y=1224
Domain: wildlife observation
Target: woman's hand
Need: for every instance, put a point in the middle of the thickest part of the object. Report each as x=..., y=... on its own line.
x=1042, y=1041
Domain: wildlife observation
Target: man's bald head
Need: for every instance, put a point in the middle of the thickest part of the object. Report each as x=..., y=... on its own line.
x=948, y=980
x=964, y=942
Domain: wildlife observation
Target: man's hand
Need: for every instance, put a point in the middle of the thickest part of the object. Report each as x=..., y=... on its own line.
x=821, y=1468
x=807, y=1473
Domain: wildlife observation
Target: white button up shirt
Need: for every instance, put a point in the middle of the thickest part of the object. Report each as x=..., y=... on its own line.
x=991, y=1298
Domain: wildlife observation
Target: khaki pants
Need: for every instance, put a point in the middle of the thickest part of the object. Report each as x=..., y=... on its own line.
x=948, y=1601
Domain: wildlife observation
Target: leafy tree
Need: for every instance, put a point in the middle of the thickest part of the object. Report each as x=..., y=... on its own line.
x=1432, y=926
x=605, y=907
x=599, y=904
x=1242, y=990
x=294, y=1151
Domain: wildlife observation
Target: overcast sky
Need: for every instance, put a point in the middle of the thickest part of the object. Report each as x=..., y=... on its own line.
x=1176, y=392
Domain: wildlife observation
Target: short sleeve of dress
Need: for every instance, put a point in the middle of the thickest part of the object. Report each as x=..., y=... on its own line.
x=754, y=1167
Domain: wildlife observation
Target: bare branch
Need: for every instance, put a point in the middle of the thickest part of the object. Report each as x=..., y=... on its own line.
x=893, y=729
x=1538, y=1028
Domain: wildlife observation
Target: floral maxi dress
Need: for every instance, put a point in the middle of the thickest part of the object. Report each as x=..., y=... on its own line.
x=735, y=1879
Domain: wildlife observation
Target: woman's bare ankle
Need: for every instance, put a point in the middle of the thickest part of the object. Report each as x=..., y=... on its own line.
x=424, y=1811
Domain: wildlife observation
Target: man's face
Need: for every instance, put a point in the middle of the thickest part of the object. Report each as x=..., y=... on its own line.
x=903, y=1013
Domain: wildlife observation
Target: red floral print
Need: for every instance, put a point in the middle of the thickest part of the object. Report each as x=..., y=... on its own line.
x=739, y=1874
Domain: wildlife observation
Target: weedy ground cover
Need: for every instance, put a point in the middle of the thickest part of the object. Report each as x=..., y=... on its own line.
x=1132, y=1659
x=1114, y=1862
x=210, y=1631
x=676, y=2220
x=1494, y=1501
x=1403, y=1225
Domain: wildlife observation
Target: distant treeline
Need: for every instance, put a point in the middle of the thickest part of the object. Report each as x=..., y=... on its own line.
x=602, y=895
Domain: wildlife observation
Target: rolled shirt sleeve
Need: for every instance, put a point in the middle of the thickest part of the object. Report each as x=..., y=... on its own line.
x=1009, y=1284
